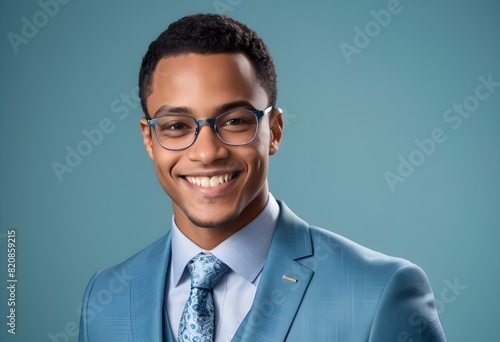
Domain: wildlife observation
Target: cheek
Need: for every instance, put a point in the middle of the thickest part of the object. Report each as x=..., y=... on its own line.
x=164, y=162
x=262, y=145
x=257, y=156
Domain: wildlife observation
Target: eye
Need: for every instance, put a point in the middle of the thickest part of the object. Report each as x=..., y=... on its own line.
x=175, y=126
x=235, y=121
x=236, y=118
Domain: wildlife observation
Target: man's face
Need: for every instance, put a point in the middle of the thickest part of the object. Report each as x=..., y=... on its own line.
x=204, y=86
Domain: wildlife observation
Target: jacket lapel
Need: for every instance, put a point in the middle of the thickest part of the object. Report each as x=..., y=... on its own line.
x=147, y=294
x=283, y=282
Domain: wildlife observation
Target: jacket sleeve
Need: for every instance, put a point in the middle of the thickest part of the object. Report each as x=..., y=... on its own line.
x=407, y=310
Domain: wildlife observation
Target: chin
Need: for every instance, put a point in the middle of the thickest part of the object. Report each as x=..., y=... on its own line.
x=212, y=222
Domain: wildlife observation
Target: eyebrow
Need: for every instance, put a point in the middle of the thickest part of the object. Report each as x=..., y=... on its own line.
x=235, y=105
x=166, y=109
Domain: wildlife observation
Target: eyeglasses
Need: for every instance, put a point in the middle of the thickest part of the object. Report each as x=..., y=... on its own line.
x=234, y=128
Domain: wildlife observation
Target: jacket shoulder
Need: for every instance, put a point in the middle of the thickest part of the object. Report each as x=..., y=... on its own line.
x=108, y=300
x=391, y=297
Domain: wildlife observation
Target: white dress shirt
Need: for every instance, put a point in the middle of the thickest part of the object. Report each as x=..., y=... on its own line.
x=245, y=253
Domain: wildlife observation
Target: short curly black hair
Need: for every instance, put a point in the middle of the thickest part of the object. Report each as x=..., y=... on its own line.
x=207, y=34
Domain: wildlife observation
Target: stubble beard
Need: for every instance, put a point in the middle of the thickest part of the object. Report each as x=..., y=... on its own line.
x=204, y=223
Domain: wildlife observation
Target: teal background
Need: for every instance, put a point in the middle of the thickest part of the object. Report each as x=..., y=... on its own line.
x=345, y=126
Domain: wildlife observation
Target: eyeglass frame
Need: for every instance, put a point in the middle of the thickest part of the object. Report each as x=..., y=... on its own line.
x=258, y=115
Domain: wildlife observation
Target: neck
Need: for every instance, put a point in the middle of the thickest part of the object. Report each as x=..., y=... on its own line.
x=210, y=237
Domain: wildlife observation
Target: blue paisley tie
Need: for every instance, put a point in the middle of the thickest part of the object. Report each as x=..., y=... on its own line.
x=197, y=320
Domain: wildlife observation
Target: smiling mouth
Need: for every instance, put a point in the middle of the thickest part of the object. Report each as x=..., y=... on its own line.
x=210, y=182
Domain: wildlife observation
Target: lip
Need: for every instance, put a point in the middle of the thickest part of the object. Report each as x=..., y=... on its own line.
x=208, y=174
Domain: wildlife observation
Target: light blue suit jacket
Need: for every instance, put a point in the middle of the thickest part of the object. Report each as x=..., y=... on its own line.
x=342, y=292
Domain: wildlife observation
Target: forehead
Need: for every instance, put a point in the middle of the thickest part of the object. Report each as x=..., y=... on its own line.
x=194, y=80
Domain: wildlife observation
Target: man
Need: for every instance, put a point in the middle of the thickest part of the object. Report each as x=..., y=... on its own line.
x=208, y=89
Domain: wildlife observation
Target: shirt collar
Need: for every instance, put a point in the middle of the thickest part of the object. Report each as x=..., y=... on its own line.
x=244, y=252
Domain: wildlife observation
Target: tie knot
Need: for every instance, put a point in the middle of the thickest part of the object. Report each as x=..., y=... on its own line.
x=206, y=270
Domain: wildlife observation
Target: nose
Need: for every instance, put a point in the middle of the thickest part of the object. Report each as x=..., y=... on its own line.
x=207, y=148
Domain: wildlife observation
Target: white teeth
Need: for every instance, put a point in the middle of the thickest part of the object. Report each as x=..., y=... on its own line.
x=205, y=182
x=214, y=181
x=210, y=181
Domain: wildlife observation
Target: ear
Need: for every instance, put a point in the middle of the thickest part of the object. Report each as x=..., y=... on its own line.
x=147, y=136
x=276, y=128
